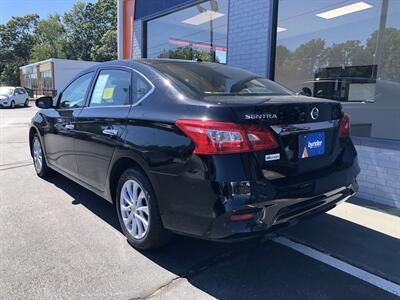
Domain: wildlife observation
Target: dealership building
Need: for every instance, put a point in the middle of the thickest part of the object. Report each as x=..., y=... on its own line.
x=348, y=51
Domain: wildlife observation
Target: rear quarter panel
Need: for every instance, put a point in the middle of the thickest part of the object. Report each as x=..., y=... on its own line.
x=182, y=182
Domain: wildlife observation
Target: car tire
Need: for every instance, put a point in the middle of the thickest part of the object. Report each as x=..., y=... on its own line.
x=39, y=161
x=26, y=104
x=137, y=206
x=12, y=104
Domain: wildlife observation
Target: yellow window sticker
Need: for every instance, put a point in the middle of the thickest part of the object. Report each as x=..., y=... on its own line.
x=108, y=93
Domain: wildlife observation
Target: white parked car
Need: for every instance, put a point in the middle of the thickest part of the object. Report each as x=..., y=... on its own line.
x=11, y=96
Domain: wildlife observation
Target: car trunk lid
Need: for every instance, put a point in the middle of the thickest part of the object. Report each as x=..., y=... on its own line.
x=305, y=128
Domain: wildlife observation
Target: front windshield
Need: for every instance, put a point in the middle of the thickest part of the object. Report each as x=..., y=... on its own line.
x=6, y=91
x=218, y=79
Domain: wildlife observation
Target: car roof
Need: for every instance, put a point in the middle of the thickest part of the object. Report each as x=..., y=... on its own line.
x=137, y=64
x=142, y=61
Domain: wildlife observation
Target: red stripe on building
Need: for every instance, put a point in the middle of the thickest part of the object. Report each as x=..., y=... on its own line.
x=202, y=46
x=177, y=42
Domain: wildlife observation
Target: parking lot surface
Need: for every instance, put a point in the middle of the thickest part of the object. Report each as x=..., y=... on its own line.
x=58, y=240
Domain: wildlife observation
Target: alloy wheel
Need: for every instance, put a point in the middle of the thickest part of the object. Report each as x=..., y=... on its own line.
x=37, y=155
x=134, y=209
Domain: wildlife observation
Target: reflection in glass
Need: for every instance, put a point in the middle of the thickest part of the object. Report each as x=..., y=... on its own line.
x=197, y=32
x=346, y=51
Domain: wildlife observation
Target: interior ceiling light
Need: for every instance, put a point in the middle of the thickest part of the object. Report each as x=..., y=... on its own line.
x=344, y=10
x=203, y=17
x=280, y=29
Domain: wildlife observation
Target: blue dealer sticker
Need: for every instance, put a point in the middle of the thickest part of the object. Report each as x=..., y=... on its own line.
x=312, y=144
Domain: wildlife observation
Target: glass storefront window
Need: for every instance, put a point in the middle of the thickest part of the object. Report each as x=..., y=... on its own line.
x=33, y=81
x=196, y=32
x=46, y=80
x=347, y=51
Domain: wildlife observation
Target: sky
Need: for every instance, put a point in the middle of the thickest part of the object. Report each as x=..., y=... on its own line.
x=43, y=8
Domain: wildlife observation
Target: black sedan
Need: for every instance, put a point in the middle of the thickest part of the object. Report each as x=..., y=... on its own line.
x=195, y=148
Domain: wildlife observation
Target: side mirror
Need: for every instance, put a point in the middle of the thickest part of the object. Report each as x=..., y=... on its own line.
x=44, y=102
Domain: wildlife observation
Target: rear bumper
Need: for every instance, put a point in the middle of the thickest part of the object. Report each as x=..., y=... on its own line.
x=320, y=195
x=275, y=214
x=207, y=212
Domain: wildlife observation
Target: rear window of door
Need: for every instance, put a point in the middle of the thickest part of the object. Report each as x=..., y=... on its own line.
x=74, y=95
x=141, y=88
x=111, y=88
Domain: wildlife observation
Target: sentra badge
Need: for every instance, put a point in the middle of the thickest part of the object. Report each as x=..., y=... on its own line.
x=266, y=116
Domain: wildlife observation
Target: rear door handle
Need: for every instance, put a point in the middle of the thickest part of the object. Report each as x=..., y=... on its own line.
x=69, y=126
x=110, y=131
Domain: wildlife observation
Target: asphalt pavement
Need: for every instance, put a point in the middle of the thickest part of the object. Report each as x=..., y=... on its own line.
x=60, y=241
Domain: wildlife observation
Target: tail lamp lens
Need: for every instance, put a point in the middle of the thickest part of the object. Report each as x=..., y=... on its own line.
x=213, y=137
x=344, y=127
x=260, y=138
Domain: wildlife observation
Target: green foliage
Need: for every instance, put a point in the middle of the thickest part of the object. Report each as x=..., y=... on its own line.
x=86, y=32
x=187, y=53
x=78, y=36
x=50, y=39
x=107, y=48
x=86, y=25
x=16, y=41
x=391, y=53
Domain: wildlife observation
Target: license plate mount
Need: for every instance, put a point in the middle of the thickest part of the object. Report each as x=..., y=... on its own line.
x=312, y=144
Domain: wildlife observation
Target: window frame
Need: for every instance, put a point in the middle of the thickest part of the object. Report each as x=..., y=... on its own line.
x=69, y=84
x=96, y=76
x=273, y=39
x=132, y=72
x=150, y=91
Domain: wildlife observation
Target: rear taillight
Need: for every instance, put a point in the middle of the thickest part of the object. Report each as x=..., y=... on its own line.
x=344, y=127
x=260, y=138
x=213, y=137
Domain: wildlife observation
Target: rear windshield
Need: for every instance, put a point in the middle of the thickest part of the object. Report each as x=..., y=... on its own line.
x=217, y=79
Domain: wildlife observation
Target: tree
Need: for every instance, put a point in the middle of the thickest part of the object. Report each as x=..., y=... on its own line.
x=187, y=53
x=300, y=65
x=310, y=56
x=107, y=48
x=49, y=35
x=391, y=55
x=16, y=42
x=86, y=32
x=86, y=25
x=103, y=14
x=78, y=37
x=348, y=53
